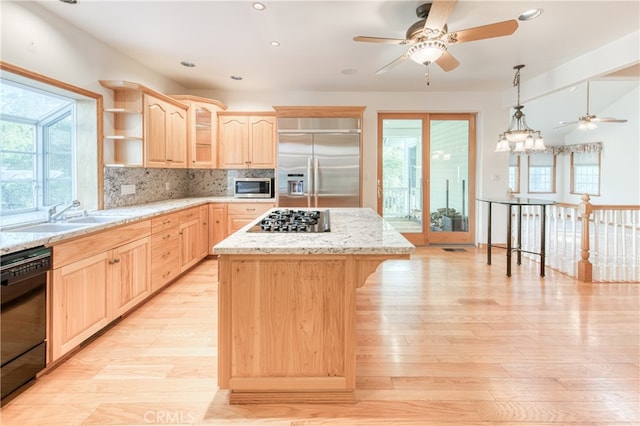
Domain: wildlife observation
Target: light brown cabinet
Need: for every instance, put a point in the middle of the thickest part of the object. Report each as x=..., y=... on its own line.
x=144, y=128
x=203, y=232
x=217, y=224
x=165, y=134
x=96, y=279
x=165, y=250
x=202, y=130
x=247, y=140
x=189, y=238
x=240, y=214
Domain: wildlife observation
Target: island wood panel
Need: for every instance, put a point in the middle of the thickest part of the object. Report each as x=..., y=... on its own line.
x=287, y=326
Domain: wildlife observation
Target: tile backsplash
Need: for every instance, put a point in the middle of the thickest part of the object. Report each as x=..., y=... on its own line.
x=164, y=184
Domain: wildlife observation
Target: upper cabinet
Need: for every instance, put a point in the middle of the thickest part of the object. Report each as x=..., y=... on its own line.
x=202, y=130
x=247, y=140
x=165, y=139
x=149, y=128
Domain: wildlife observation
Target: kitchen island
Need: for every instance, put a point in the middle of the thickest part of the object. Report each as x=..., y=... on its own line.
x=287, y=311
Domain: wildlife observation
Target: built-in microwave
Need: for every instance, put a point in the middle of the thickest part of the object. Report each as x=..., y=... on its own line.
x=253, y=188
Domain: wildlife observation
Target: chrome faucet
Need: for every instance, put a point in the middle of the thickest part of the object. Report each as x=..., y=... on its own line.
x=54, y=214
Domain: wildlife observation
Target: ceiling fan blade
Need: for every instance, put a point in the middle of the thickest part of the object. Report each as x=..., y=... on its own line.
x=392, y=64
x=439, y=13
x=608, y=120
x=447, y=62
x=498, y=29
x=382, y=40
x=565, y=124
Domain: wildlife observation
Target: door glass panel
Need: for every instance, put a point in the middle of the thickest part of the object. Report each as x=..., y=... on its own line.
x=449, y=175
x=402, y=174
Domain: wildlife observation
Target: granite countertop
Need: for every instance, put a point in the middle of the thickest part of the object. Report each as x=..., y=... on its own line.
x=11, y=241
x=353, y=231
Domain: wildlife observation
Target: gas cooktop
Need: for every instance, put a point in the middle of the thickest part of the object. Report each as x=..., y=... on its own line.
x=287, y=220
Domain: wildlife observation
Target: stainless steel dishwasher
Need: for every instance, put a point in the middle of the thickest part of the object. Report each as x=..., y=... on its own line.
x=23, y=315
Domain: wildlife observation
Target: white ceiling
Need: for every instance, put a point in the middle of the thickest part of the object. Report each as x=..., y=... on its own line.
x=317, y=51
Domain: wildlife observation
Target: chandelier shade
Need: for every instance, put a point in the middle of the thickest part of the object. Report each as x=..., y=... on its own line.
x=519, y=133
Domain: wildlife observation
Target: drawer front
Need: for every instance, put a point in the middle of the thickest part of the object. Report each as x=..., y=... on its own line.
x=164, y=222
x=166, y=236
x=188, y=215
x=248, y=209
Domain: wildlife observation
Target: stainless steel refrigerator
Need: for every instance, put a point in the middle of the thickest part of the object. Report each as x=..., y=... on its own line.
x=318, y=162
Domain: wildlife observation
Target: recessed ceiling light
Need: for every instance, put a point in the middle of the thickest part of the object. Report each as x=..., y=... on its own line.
x=258, y=6
x=187, y=64
x=349, y=71
x=275, y=43
x=530, y=14
x=236, y=77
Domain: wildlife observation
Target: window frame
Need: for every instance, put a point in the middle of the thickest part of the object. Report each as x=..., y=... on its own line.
x=573, y=178
x=553, y=168
x=88, y=150
x=517, y=168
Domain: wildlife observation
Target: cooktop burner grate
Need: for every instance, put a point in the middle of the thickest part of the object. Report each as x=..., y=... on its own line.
x=295, y=221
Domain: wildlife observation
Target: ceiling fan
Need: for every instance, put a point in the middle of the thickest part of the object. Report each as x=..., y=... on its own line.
x=429, y=38
x=588, y=121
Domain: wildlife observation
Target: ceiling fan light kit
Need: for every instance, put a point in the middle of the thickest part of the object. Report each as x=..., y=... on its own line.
x=426, y=52
x=518, y=132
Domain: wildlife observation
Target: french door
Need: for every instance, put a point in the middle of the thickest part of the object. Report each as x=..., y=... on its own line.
x=426, y=176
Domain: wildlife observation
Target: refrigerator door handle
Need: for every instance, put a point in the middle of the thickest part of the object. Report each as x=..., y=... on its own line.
x=315, y=182
x=309, y=178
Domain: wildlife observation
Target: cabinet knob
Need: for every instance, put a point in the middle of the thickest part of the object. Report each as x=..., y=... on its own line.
x=112, y=261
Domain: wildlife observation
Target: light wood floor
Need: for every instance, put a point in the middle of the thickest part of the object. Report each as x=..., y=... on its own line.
x=442, y=339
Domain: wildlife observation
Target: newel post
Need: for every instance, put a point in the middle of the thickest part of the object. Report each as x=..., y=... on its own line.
x=584, y=266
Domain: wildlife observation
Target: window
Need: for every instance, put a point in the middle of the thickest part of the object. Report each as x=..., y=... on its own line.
x=49, y=145
x=585, y=173
x=542, y=173
x=36, y=148
x=514, y=173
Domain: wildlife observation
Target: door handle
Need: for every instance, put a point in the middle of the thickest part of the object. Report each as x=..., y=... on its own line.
x=315, y=182
x=310, y=185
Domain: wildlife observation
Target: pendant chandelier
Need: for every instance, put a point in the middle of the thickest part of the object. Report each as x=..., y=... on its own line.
x=519, y=133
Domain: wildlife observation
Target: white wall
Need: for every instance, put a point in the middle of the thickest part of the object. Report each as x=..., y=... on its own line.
x=34, y=39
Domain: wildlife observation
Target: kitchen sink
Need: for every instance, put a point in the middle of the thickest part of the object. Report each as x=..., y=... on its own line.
x=51, y=227
x=95, y=219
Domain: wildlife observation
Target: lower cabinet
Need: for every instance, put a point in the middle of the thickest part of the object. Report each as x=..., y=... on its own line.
x=96, y=279
x=240, y=214
x=217, y=224
x=165, y=250
x=203, y=232
x=189, y=238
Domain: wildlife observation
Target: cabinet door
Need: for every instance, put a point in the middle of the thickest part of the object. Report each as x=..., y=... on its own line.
x=177, y=138
x=189, y=243
x=156, y=114
x=234, y=141
x=78, y=303
x=203, y=233
x=203, y=135
x=128, y=275
x=217, y=224
x=262, y=142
